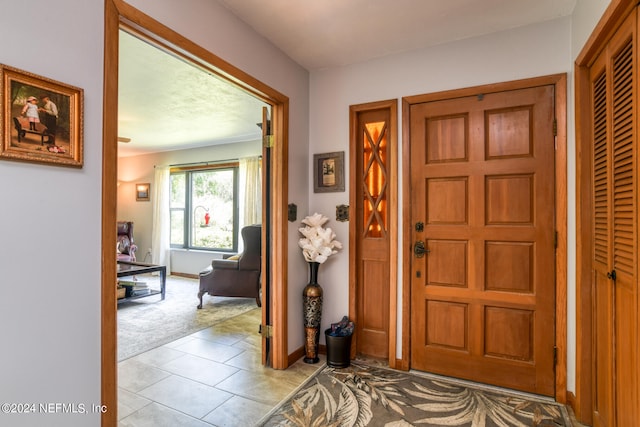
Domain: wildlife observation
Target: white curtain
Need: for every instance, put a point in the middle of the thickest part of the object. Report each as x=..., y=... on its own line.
x=160, y=235
x=250, y=194
x=250, y=191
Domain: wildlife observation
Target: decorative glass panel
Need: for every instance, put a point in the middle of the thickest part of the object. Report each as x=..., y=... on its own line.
x=375, y=179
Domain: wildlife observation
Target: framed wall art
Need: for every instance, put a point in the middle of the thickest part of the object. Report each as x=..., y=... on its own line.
x=41, y=120
x=143, y=192
x=328, y=172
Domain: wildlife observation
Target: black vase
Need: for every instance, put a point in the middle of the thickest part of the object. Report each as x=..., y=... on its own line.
x=312, y=306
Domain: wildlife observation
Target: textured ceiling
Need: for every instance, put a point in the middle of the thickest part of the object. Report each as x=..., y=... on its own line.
x=167, y=104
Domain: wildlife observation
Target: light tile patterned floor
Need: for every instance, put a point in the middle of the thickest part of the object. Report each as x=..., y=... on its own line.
x=210, y=378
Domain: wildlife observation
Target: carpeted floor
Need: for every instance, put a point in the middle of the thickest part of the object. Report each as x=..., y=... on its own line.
x=146, y=323
x=363, y=395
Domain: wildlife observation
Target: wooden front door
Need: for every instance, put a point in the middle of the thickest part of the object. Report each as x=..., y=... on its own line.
x=614, y=230
x=482, y=194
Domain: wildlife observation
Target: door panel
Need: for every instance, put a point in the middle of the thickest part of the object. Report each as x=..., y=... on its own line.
x=602, y=287
x=624, y=225
x=603, y=357
x=374, y=315
x=483, y=297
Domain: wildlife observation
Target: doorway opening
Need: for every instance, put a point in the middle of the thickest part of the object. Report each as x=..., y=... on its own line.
x=119, y=15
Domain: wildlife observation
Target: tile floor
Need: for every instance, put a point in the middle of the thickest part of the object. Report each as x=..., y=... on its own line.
x=210, y=378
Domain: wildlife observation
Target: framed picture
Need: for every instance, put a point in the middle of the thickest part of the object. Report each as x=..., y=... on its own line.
x=328, y=172
x=41, y=120
x=142, y=192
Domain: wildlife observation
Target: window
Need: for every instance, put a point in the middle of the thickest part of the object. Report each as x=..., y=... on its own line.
x=204, y=208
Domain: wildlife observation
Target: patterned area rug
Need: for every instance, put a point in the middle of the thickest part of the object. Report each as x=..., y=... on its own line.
x=147, y=323
x=362, y=395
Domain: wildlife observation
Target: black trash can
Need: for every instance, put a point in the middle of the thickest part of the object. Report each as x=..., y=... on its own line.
x=338, y=350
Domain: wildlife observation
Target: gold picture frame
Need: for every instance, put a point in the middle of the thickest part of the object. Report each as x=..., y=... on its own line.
x=41, y=120
x=328, y=172
x=143, y=192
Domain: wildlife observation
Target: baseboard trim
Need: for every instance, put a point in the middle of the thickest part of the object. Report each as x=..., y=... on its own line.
x=402, y=365
x=571, y=400
x=187, y=275
x=293, y=357
x=299, y=354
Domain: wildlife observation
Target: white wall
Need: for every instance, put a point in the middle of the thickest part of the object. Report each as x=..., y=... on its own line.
x=50, y=268
x=585, y=17
x=531, y=51
x=50, y=225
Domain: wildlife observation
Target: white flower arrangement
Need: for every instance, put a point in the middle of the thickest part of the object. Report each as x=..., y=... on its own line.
x=318, y=243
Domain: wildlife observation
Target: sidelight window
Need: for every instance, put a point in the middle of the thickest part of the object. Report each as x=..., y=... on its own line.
x=375, y=178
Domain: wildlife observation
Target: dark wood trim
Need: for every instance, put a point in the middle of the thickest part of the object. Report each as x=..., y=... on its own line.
x=117, y=12
x=394, y=183
x=582, y=404
x=402, y=365
x=297, y=355
x=109, y=339
x=614, y=15
x=353, y=233
x=561, y=230
x=279, y=233
x=611, y=19
x=560, y=83
x=354, y=192
x=571, y=401
x=406, y=231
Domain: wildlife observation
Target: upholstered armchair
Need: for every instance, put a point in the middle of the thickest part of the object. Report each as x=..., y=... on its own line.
x=125, y=248
x=238, y=277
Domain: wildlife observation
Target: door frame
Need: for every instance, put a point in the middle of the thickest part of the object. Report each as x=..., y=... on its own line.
x=612, y=18
x=118, y=13
x=560, y=83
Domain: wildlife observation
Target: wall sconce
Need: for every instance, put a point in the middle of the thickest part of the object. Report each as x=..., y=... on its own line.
x=142, y=192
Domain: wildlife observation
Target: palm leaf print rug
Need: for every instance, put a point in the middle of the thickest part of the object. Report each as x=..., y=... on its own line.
x=363, y=395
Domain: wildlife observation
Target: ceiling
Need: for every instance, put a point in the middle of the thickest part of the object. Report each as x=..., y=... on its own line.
x=330, y=33
x=168, y=104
